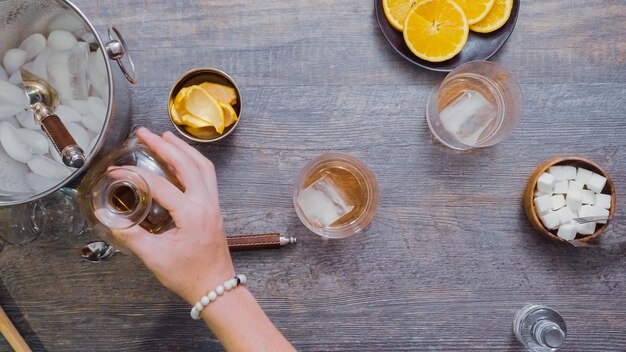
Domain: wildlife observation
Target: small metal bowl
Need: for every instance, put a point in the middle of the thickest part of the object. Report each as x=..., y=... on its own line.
x=198, y=76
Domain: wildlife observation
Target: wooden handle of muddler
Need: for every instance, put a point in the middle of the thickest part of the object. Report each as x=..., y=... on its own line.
x=252, y=242
x=11, y=334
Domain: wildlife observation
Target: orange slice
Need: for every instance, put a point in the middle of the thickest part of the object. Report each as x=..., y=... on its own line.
x=202, y=132
x=230, y=116
x=194, y=121
x=475, y=10
x=180, y=95
x=396, y=11
x=204, y=106
x=175, y=116
x=496, y=18
x=436, y=30
x=221, y=92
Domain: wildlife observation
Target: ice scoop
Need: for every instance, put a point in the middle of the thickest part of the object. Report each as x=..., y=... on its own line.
x=44, y=100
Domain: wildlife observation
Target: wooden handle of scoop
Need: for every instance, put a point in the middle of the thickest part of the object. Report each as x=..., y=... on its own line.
x=11, y=334
x=63, y=142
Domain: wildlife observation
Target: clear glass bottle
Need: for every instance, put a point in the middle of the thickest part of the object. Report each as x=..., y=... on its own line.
x=21, y=224
x=539, y=328
x=114, y=196
x=48, y=218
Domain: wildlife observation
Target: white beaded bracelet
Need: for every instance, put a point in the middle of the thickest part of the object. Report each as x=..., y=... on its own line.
x=219, y=290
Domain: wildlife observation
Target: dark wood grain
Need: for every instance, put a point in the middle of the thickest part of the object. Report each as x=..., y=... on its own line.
x=450, y=256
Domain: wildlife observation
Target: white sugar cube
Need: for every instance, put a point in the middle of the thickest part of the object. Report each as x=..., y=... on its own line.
x=596, y=183
x=545, y=183
x=586, y=229
x=569, y=172
x=565, y=215
x=593, y=211
x=567, y=231
x=585, y=210
x=575, y=186
x=603, y=201
x=561, y=186
x=557, y=172
x=538, y=193
x=550, y=220
x=543, y=204
x=583, y=175
x=588, y=197
x=574, y=200
x=558, y=201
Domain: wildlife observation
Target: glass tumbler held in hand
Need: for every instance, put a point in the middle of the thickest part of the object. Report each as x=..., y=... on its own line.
x=114, y=196
x=336, y=195
x=477, y=105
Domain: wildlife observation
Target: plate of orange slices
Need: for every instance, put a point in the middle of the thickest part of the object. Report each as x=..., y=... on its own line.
x=440, y=35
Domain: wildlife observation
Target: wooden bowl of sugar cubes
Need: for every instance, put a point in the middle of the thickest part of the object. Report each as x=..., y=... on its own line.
x=565, y=188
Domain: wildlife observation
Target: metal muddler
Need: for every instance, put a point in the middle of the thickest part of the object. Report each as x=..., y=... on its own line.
x=43, y=100
x=99, y=251
x=259, y=241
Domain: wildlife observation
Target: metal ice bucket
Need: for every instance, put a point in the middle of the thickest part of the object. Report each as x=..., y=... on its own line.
x=21, y=18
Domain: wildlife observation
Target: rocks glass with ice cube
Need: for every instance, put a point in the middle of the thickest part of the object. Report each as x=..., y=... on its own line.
x=336, y=195
x=477, y=105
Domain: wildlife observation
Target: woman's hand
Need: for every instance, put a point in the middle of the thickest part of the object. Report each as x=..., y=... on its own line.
x=193, y=257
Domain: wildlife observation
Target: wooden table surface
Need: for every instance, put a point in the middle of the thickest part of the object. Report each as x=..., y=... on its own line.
x=449, y=258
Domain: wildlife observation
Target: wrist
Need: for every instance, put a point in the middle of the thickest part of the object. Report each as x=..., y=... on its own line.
x=205, y=284
x=219, y=291
x=234, y=309
x=216, y=311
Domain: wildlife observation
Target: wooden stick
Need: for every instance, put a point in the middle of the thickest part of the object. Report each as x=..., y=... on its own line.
x=11, y=334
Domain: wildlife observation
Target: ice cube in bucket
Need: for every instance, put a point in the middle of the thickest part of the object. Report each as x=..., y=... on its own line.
x=12, y=175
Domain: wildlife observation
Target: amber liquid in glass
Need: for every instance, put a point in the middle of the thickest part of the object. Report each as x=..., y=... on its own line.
x=125, y=198
x=349, y=186
x=113, y=195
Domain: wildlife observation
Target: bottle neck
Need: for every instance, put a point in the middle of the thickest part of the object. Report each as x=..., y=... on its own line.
x=120, y=198
x=548, y=334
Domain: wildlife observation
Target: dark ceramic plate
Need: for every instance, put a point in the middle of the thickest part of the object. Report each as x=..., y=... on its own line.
x=479, y=46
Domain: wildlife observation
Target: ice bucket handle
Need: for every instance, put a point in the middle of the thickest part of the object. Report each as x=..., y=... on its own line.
x=116, y=50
